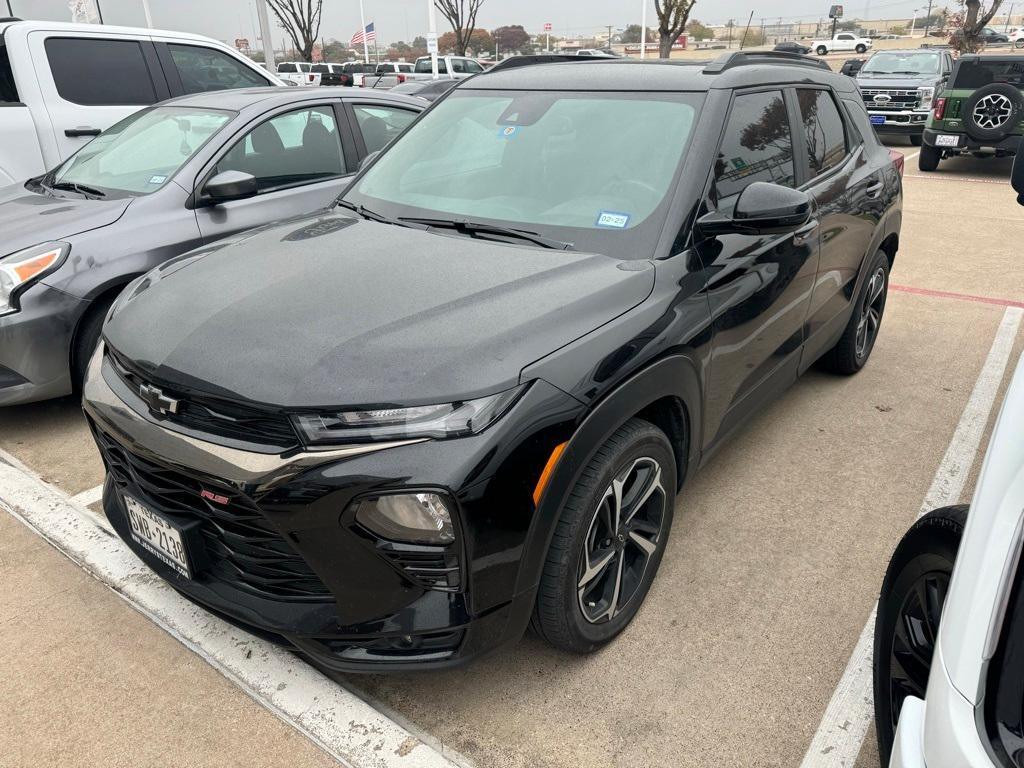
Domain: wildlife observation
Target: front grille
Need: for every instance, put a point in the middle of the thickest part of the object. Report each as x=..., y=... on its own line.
x=898, y=99
x=215, y=416
x=242, y=547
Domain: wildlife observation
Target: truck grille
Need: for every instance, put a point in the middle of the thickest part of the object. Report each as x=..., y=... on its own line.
x=243, y=548
x=898, y=100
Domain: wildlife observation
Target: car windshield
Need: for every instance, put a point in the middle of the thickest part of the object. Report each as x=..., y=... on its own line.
x=141, y=153
x=982, y=72
x=902, y=64
x=587, y=168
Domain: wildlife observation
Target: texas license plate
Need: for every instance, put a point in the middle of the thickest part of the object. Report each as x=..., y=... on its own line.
x=945, y=140
x=878, y=119
x=158, y=536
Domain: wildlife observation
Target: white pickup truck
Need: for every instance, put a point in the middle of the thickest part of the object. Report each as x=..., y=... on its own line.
x=62, y=84
x=298, y=72
x=844, y=41
x=448, y=67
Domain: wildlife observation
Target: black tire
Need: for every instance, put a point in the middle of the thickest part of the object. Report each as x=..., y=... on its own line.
x=921, y=566
x=916, y=140
x=861, y=48
x=1018, y=43
x=86, y=338
x=928, y=159
x=851, y=352
x=558, y=615
x=822, y=50
x=1007, y=108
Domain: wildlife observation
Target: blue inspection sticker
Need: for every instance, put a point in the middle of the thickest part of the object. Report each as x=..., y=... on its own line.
x=612, y=219
x=508, y=132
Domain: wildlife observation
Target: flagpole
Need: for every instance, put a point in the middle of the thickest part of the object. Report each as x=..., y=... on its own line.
x=366, y=45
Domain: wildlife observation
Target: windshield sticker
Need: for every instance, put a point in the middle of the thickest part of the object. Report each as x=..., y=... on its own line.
x=508, y=132
x=612, y=219
x=157, y=179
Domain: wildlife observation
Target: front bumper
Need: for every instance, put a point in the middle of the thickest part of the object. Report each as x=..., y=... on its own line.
x=35, y=345
x=903, y=123
x=329, y=589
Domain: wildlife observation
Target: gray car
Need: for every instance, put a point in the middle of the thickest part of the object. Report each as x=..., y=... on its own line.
x=178, y=175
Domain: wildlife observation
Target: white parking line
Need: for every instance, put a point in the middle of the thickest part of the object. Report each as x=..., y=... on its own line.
x=91, y=496
x=337, y=720
x=838, y=740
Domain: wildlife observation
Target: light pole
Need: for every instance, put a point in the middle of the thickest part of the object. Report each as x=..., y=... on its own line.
x=928, y=19
x=149, y=14
x=366, y=44
x=431, y=37
x=913, y=23
x=643, y=29
x=268, y=42
x=1009, y=16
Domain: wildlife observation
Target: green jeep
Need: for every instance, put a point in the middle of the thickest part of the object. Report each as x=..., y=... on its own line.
x=981, y=111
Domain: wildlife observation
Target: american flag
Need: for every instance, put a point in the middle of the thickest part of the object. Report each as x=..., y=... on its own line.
x=367, y=35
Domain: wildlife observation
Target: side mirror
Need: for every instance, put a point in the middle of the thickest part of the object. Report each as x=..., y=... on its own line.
x=1017, y=174
x=230, y=185
x=762, y=209
x=368, y=159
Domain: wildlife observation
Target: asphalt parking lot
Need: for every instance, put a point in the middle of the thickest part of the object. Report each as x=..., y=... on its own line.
x=776, y=555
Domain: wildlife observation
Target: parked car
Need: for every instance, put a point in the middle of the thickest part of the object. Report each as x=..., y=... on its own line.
x=851, y=67
x=981, y=111
x=62, y=84
x=598, y=52
x=899, y=88
x=843, y=41
x=431, y=90
x=187, y=172
x=448, y=67
x=1017, y=38
x=358, y=70
x=298, y=72
x=790, y=46
x=948, y=674
x=393, y=434
x=388, y=74
x=332, y=74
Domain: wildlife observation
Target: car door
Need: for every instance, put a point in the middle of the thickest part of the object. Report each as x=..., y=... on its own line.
x=847, y=187
x=375, y=125
x=91, y=81
x=297, y=159
x=760, y=286
x=845, y=42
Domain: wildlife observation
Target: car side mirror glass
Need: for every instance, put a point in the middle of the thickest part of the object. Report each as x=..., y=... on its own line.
x=368, y=159
x=762, y=208
x=1017, y=174
x=230, y=185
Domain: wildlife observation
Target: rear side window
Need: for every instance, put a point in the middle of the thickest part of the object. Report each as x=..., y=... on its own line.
x=322, y=69
x=758, y=146
x=286, y=68
x=423, y=66
x=207, y=69
x=822, y=130
x=405, y=67
x=95, y=72
x=978, y=74
x=8, y=90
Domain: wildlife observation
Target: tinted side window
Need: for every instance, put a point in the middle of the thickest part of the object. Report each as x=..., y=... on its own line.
x=822, y=129
x=286, y=68
x=472, y=66
x=207, y=69
x=96, y=72
x=758, y=146
x=8, y=90
x=380, y=125
x=458, y=65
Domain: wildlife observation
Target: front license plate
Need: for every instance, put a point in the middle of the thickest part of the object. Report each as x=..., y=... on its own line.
x=158, y=536
x=878, y=119
x=945, y=140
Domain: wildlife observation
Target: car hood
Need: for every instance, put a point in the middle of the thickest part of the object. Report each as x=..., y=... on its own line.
x=329, y=310
x=899, y=82
x=27, y=219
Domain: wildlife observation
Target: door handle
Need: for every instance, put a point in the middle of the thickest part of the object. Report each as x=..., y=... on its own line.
x=82, y=131
x=874, y=190
x=802, y=235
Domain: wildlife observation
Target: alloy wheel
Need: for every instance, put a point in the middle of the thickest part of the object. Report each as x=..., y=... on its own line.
x=871, y=313
x=623, y=535
x=917, y=629
x=992, y=111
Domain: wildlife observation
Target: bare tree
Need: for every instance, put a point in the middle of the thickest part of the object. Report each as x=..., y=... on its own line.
x=461, y=14
x=971, y=21
x=301, y=20
x=672, y=18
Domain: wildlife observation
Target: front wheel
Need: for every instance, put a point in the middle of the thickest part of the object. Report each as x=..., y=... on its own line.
x=822, y=50
x=1019, y=43
x=609, y=540
x=909, y=608
x=861, y=48
x=853, y=349
x=928, y=160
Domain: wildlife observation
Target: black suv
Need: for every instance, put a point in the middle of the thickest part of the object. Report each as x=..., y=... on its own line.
x=395, y=433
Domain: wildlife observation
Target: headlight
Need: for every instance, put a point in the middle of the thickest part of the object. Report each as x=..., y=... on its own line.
x=926, y=94
x=420, y=518
x=447, y=420
x=20, y=269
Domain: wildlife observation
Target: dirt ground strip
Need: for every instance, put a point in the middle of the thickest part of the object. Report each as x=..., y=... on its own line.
x=776, y=555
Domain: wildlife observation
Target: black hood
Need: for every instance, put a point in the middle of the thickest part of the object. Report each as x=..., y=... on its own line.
x=328, y=311
x=27, y=218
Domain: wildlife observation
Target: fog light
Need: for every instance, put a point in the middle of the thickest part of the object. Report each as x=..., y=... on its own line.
x=420, y=518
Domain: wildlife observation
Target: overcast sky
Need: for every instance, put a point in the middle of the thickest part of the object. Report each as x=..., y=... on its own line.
x=405, y=19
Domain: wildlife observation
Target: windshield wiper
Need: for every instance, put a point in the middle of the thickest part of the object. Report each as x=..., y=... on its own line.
x=480, y=228
x=366, y=213
x=81, y=189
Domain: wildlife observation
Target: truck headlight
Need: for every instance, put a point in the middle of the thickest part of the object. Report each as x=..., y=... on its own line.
x=22, y=268
x=926, y=95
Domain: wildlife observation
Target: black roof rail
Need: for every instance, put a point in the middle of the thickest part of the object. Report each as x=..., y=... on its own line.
x=746, y=58
x=545, y=58
x=9, y=18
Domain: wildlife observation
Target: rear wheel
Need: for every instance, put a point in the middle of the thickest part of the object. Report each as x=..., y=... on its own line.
x=909, y=608
x=1019, y=43
x=822, y=50
x=853, y=349
x=861, y=48
x=929, y=158
x=609, y=540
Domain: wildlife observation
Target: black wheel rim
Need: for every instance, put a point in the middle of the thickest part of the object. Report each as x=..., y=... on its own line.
x=917, y=629
x=871, y=313
x=623, y=535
